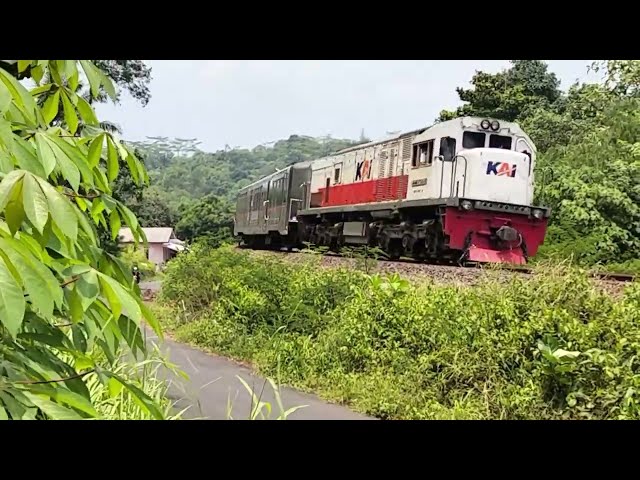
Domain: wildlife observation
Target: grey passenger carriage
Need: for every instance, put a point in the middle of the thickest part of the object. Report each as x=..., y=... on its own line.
x=270, y=204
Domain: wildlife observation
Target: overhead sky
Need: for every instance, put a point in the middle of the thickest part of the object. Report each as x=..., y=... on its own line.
x=243, y=103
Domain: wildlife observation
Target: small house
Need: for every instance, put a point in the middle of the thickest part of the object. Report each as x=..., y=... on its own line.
x=162, y=243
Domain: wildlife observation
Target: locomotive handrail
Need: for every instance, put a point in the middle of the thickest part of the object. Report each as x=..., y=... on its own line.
x=264, y=205
x=441, y=158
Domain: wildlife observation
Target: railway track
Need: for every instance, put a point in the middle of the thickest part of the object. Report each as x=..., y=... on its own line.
x=606, y=276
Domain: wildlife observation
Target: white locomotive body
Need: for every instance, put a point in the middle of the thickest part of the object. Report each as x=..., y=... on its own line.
x=460, y=189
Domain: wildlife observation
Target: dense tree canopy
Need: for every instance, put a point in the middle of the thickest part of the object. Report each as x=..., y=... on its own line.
x=510, y=94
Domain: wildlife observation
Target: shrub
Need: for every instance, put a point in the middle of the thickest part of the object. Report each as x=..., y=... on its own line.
x=549, y=346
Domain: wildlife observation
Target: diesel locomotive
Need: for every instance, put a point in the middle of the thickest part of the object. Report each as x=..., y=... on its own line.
x=460, y=191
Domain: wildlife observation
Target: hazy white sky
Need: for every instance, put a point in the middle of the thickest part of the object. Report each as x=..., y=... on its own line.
x=245, y=103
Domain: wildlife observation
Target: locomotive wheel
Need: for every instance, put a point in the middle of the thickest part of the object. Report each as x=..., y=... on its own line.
x=394, y=249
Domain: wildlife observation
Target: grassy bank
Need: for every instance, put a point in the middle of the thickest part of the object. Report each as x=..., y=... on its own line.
x=542, y=347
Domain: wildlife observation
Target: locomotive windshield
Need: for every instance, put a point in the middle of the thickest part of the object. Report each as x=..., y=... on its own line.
x=478, y=140
x=500, y=141
x=473, y=140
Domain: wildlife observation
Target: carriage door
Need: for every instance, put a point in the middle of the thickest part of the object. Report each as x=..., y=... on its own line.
x=264, y=204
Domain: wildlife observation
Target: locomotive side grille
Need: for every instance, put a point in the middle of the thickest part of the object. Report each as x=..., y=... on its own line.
x=392, y=170
x=382, y=168
x=406, y=149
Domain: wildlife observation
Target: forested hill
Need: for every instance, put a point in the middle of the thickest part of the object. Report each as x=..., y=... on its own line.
x=182, y=172
x=194, y=191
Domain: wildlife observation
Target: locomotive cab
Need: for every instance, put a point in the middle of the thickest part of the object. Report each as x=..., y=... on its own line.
x=486, y=169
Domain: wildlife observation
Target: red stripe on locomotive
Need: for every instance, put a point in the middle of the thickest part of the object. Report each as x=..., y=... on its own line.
x=380, y=190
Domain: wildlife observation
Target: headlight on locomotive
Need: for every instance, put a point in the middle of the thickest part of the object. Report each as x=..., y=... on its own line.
x=537, y=214
x=466, y=205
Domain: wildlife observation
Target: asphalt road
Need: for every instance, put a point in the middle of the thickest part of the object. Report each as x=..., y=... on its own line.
x=213, y=384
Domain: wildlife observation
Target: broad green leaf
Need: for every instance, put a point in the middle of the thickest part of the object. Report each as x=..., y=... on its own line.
x=22, y=247
x=129, y=217
x=52, y=409
x=38, y=281
x=8, y=184
x=141, y=398
x=16, y=409
x=46, y=154
x=69, y=68
x=88, y=115
x=67, y=167
x=61, y=210
x=12, y=304
x=6, y=135
x=95, y=151
x=56, y=340
x=14, y=211
x=128, y=302
x=3, y=413
x=26, y=157
x=114, y=221
x=50, y=108
x=151, y=319
x=108, y=85
x=73, y=153
x=91, y=71
x=62, y=395
x=115, y=387
x=22, y=98
x=75, y=304
x=86, y=227
x=79, y=340
x=111, y=295
x=88, y=289
x=97, y=207
x=35, y=203
x=82, y=203
x=23, y=65
x=6, y=162
x=40, y=90
x=5, y=98
x=76, y=270
x=83, y=362
x=131, y=333
x=101, y=180
x=70, y=116
x=112, y=160
x=54, y=70
x=74, y=78
x=37, y=73
x=133, y=168
x=122, y=151
x=14, y=214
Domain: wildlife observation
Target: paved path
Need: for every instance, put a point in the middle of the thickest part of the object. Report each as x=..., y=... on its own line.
x=213, y=383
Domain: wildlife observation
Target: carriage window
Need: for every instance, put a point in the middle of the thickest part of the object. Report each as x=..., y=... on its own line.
x=447, y=148
x=473, y=140
x=336, y=176
x=500, y=141
x=422, y=154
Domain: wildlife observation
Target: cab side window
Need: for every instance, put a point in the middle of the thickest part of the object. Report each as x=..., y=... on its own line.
x=422, y=155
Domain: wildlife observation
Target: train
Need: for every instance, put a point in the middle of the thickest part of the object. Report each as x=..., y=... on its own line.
x=459, y=191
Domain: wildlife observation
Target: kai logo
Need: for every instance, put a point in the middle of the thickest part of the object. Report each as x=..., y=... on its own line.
x=501, y=168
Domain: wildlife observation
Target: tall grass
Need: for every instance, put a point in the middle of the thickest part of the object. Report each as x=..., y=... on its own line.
x=549, y=346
